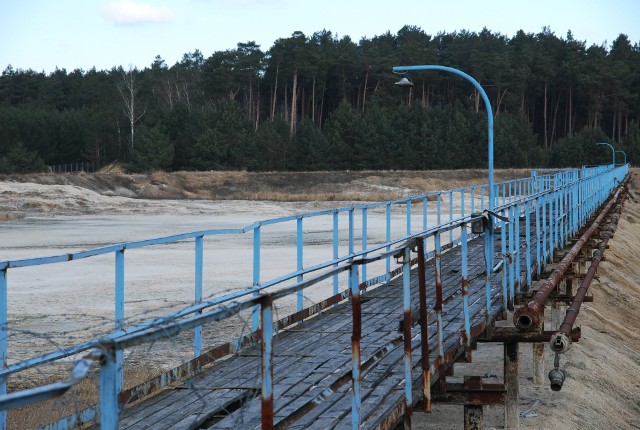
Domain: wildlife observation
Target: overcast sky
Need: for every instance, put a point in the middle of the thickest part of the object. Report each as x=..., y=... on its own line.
x=70, y=34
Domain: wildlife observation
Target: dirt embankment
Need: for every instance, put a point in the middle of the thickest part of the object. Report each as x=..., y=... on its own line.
x=279, y=186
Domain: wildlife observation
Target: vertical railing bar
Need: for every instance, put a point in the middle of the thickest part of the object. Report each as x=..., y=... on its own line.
x=336, y=252
x=109, y=390
x=450, y=215
x=119, y=314
x=299, y=261
x=408, y=365
x=408, y=217
x=505, y=263
x=351, y=233
x=424, y=326
x=356, y=400
x=511, y=266
x=465, y=291
x=255, y=320
x=266, y=395
x=364, y=242
x=425, y=213
x=4, y=332
x=527, y=220
x=473, y=199
x=517, y=247
x=197, y=332
x=388, y=235
x=438, y=309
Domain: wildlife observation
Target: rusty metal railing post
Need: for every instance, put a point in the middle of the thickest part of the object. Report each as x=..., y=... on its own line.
x=438, y=310
x=465, y=291
x=505, y=263
x=406, y=302
x=4, y=332
x=266, y=313
x=356, y=400
x=424, y=327
x=197, y=332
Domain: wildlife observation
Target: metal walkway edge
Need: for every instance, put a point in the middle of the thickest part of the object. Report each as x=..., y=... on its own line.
x=312, y=361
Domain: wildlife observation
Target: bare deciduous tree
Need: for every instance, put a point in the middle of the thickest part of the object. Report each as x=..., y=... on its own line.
x=128, y=90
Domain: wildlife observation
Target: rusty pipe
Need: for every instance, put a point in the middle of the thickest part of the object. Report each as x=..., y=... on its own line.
x=528, y=317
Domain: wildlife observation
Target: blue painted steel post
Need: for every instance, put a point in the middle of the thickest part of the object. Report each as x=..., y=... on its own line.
x=465, y=291
x=388, y=235
x=473, y=199
x=364, y=242
x=4, y=331
x=197, y=333
x=505, y=263
x=408, y=217
x=109, y=390
x=512, y=256
x=255, y=320
x=356, y=399
x=119, y=311
x=267, y=362
x=527, y=220
x=336, y=252
x=517, y=248
x=351, y=234
x=450, y=215
x=299, y=261
x=439, y=218
x=406, y=302
x=438, y=309
x=425, y=213
x=545, y=228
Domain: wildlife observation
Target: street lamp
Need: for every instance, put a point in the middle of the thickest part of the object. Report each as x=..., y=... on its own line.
x=405, y=82
x=488, y=243
x=625, y=155
x=613, y=152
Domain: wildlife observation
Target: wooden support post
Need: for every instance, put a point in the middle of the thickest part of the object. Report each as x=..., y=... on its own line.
x=473, y=417
x=511, y=382
x=538, y=363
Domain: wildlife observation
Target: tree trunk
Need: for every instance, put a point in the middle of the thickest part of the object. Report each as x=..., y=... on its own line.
x=555, y=120
x=544, y=116
x=364, y=90
x=274, y=95
x=294, y=104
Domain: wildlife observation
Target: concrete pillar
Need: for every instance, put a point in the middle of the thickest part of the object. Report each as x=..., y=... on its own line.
x=473, y=417
x=538, y=363
x=511, y=382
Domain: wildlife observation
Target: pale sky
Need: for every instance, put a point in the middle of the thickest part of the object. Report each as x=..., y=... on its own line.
x=70, y=34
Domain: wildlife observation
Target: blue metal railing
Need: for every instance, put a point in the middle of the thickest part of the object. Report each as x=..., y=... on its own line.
x=562, y=203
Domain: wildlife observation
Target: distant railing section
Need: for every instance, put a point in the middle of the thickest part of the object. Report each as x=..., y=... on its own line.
x=82, y=166
x=555, y=205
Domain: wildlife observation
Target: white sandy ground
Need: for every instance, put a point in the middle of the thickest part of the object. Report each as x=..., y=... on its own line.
x=49, y=308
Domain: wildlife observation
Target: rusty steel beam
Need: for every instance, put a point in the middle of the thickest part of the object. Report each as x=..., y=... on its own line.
x=510, y=334
x=424, y=326
x=528, y=317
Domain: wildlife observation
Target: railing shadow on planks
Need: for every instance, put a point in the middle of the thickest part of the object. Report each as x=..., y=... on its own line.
x=561, y=203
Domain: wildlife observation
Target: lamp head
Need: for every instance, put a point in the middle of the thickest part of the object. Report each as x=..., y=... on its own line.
x=404, y=82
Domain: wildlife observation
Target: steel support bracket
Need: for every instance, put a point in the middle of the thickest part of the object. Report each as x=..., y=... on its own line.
x=472, y=392
x=511, y=334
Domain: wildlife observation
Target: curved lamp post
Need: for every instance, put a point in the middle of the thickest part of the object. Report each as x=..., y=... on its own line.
x=613, y=152
x=488, y=248
x=405, y=82
x=625, y=155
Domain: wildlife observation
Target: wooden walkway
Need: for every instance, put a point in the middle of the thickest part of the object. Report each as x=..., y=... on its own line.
x=312, y=360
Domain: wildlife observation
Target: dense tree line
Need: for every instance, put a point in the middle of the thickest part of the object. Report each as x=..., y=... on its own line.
x=325, y=102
